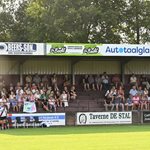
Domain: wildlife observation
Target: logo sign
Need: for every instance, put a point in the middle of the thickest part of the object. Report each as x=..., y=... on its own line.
x=97, y=118
x=125, y=50
x=70, y=49
x=146, y=116
x=21, y=48
x=50, y=119
x=29, y=107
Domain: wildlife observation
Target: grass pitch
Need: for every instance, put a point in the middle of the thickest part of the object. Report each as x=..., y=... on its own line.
x=127, y=137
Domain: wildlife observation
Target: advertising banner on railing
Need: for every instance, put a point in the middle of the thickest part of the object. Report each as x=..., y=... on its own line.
x=98, y=118
x=66, y=49
x=29, y=107
x=146, y=116
x=16, y=48
x=49, y=119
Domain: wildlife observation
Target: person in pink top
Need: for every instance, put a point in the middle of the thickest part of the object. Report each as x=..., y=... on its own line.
x=136, y=101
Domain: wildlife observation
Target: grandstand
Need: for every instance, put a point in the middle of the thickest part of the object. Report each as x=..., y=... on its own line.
x=18, y=60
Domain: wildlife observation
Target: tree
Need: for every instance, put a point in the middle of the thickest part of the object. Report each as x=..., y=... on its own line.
x=136, y=26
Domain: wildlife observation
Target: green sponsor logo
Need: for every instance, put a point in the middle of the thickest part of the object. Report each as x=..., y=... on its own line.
x=90, y=49
x=58, y=49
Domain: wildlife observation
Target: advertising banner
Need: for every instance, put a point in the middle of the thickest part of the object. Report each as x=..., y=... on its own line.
x=66, y=49
x=146, y=116
x=50, y=119
x=98, y=118
x=16, y=48
x=29, y=107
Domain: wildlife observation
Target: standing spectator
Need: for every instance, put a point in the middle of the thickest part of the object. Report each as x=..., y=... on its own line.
x=86, y=83
x=105, y=81
x=98, y=82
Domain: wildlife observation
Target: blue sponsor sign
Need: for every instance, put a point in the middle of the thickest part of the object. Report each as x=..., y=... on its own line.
x=52, y=119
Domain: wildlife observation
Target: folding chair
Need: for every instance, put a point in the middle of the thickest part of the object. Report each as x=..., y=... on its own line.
x=28, y=122
x=20, y=122
x=36, y=121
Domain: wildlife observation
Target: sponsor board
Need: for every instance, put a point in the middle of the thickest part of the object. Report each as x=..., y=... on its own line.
x=98, y=118
x=51, y=119
x=146, y=116
x=66, y=49
x=16, y=48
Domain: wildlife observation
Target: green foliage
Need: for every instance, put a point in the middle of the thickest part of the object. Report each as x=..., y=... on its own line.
x=92, y=21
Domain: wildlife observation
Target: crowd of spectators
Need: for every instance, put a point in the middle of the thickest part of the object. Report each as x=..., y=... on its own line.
x=118, y=96
x=47, y=94
x=43, y=90
x=137, y=97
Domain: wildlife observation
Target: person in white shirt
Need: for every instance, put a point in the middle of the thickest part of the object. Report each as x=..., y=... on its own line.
x=133, y=80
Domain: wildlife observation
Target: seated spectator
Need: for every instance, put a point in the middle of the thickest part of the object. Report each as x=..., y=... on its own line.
x=54, y=82
x=133, y=92
x=116, y=80
x=57, y=98
x=45, y=81
x=140, y=92
x=145, y=99
x=108, y=102
x=98, y=82
x=36, y=79
x=64, y=99
x=136, y=101
x=19, y=100
x=133, y=80
x=128, y=104
x=119, y=102
x=66, y=81
x=91, y=82
x=52, y=104
x=11, y=88
x=73, y=94
x=86, y=83
x=121, y=94
x=45, y=105
x=105, y=81
x=67, y=92
x=13, y=101
x=28, y=79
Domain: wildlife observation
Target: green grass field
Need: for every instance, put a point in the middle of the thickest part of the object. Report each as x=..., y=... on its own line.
x=77, y=138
